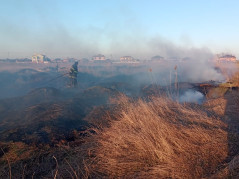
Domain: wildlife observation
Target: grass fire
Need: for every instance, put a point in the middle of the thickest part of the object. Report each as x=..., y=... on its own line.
x=119, y=89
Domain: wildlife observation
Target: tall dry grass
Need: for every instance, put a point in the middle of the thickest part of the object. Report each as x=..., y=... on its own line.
x=158, y=139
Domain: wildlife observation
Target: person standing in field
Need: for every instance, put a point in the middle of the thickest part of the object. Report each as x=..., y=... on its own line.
x=73, y=74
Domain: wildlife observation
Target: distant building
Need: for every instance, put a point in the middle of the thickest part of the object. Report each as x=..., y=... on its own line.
x=227, y=58
x=157, y=58
x=98, y=57
x=38, y=58
x=127, y=59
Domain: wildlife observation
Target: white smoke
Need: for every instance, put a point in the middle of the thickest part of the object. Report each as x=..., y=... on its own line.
x=191, y=96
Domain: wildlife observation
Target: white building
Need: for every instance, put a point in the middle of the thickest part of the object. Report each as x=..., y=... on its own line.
x=127, y=59
x=38, y=58
x=227, y=58
x=98, y=57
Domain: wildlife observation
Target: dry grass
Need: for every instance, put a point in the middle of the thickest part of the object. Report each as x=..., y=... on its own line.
x=217, y=105
x=159, y=139
x=138, y=139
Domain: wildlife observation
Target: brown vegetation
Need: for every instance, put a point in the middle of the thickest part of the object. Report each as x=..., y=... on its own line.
x=152, y=138
x=159, y=139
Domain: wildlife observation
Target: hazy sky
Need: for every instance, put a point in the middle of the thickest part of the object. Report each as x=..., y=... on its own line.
x=140, y=28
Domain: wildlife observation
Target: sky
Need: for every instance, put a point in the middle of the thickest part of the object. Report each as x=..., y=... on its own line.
x=67, y=28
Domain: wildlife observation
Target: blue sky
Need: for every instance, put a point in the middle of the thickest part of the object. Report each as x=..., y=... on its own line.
x=125, y=27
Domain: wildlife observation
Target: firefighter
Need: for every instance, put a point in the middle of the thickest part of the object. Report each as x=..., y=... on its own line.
x=73, y=74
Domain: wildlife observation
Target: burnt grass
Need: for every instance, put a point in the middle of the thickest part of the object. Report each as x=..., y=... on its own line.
x=48, y=130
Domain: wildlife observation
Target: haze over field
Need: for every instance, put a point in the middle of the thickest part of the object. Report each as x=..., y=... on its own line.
x=138, y=28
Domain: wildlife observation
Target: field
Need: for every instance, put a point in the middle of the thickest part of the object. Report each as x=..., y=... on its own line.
x=119, y=123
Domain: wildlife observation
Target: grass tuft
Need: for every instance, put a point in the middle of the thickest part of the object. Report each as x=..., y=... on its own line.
x=157, y=139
